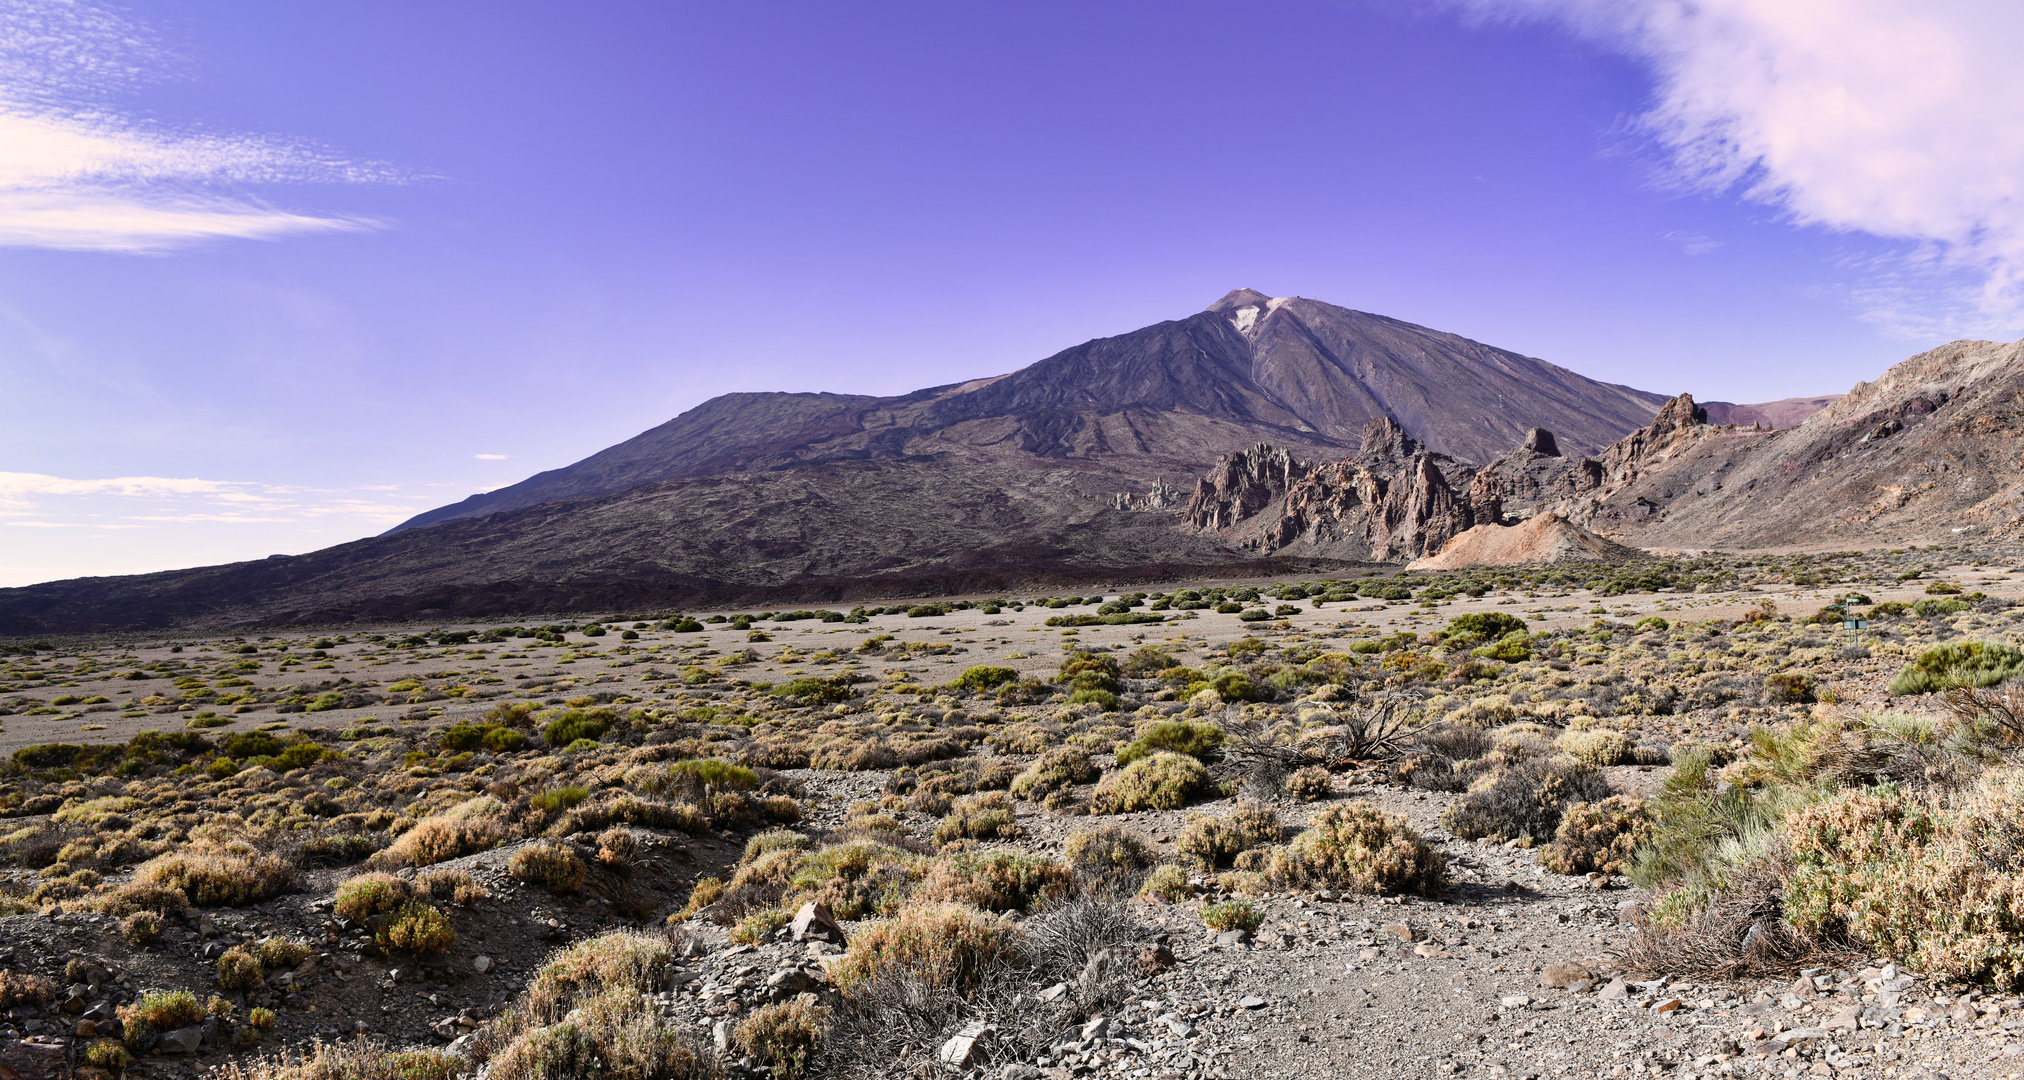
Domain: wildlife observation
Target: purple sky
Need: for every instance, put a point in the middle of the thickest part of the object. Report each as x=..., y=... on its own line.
x=274, y=276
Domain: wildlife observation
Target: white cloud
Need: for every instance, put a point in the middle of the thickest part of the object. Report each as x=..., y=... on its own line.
x=76, y=175
x=43, y=501
x=1903, y=119
x=490, y=457
x=1693, y=243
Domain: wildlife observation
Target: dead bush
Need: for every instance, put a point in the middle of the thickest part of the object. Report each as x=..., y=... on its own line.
x=1524, y=800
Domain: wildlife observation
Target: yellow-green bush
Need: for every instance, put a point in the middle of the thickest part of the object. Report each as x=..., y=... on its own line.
x=1596, y=746
x=1167, y=882
x=1198, y=739
x=1055, y=771
x=1959, y=663
x=979, y=817
x=417, y=928
x=214, y=878
x=1107, y=850
x=1232, y=915
x=158, y=1011
x=1361, y=849
x=1164, y=781
x=468, y=827
x=366, y=895
x=1310, y=784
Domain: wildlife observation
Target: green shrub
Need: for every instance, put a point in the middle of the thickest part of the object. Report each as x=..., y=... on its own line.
x=1513, y=649
x=157, y=1011
x=574, y=725
x=1198, y=739
x=238, y=970
x=1233, y=915
x=1055, y=771
x=984, y=678
x=1933, y=608
x=693, y=775
x=1959, y=663
x=1484, y=626
x=417, y=928
x=1163, y=781
x=1358, y=848
x=362, y=897
x=1789, y=687
x=1168, y=883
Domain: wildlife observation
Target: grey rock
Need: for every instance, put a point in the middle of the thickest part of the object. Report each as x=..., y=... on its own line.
x=816, y=921
x=1253, y=1001
x=1181, y=1028
x=182, y=1040
x=1019, y=1070
x=1617, y=990
x=1096, y=1028
x=1514, y=1001
x=788, y=982
x=1053, y=993
x=1800, y=1036
x=481, y=964
x=720, y=1036
x=1230, y=938
x=20, y=1060
x=962, y=1046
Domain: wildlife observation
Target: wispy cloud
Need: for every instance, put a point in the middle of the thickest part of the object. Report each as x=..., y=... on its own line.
x=490, y=457
x=77, y=175
x=1902, y=119
x=1692, y=243
x=35, y=500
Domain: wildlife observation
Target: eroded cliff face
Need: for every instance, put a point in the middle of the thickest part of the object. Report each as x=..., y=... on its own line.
x=1395, y=500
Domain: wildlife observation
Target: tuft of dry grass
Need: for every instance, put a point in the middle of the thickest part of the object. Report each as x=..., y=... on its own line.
x=228, y=878
x=946, y=946
x=549, y=865
x=788, y=1035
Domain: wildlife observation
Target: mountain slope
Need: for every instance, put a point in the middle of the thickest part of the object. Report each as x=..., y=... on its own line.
x=1163, y=402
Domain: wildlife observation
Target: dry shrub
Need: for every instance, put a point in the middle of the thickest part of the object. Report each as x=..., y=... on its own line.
x=1311, y=783
x=1596, y=746
x=997, y=880
x=468, y=827
x=22, y=988
x=788, y=1034
x=213, y=879
x=360, y=1059
x=947, y=946
x=1358, y=848
x=1025, y=737
x=1597, y=837
x=1211, y=842
x=614, y=1035
x=551, y=866
x=141, y=929
x=1525, y=799
x=623, y=961
x=450, y=887
x=979, y=817
x=134, y=897
x=1936, y=881
x=1164, y=781
x=615, y=848
x=614, y=808
x=1736, y=932
x=855, y=755
x=362, y=897
x=1110, y=858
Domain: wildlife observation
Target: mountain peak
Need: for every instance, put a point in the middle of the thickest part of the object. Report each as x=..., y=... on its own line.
x=1237, y=298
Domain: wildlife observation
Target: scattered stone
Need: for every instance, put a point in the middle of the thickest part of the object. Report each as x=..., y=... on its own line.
x=1233, y=938
x=1560, y=975
x=481, y=964
x=1515, y=1001
x=22, y=1060
x=1253, y=1001
x=962, y=1046
x=815, y=920
x=1096, y=1028
x=182, y=1040
x=1053, y=993
x=1617, y=990
x=1401, y=931
x=1803, y=987
x=1668, y=1005
x=1154, y=959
